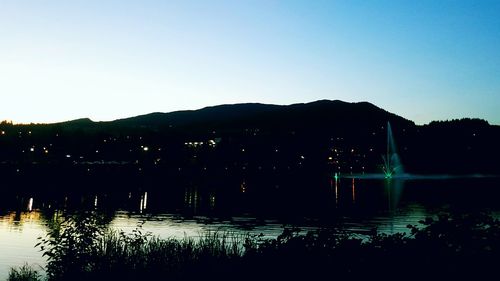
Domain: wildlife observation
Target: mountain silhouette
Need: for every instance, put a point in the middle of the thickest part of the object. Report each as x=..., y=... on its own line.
x=304, y=115
x=321, y=136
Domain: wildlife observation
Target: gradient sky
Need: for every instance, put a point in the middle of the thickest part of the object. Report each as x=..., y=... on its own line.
x=105, y=59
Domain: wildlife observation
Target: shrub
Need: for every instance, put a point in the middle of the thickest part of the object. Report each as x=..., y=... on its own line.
x=72, y=245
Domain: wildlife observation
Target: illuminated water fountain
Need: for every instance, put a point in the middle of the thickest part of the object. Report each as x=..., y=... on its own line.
x=391, y=167
x=392, y=163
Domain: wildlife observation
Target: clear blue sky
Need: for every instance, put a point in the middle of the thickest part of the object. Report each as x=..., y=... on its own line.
x=104, y=59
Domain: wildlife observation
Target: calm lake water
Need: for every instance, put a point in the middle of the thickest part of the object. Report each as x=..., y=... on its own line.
x=358, y=205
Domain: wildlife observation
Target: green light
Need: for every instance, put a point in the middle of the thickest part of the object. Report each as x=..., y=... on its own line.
x=336, y=176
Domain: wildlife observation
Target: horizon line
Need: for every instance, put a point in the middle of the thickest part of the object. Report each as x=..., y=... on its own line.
x=13, y=122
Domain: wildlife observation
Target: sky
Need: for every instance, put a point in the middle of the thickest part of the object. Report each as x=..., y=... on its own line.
x=107, y=59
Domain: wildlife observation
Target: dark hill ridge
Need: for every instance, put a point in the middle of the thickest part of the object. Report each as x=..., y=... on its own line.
x=312, y=115
x=327, y=134
x=323, y=115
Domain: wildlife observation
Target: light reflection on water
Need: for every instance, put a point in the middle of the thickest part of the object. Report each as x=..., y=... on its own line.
x=18, y=235
x=19, y=232
x=172, y=225
x=358, y=206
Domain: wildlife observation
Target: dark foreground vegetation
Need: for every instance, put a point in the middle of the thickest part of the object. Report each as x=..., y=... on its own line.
x=446, y=247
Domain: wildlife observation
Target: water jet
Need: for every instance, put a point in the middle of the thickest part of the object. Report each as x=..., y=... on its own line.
x=392, y=163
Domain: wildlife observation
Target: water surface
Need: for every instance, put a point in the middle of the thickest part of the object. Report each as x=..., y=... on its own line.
x=358, y=205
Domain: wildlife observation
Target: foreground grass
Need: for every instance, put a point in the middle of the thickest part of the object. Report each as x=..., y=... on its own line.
x=447, y=247
x=24, y=273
